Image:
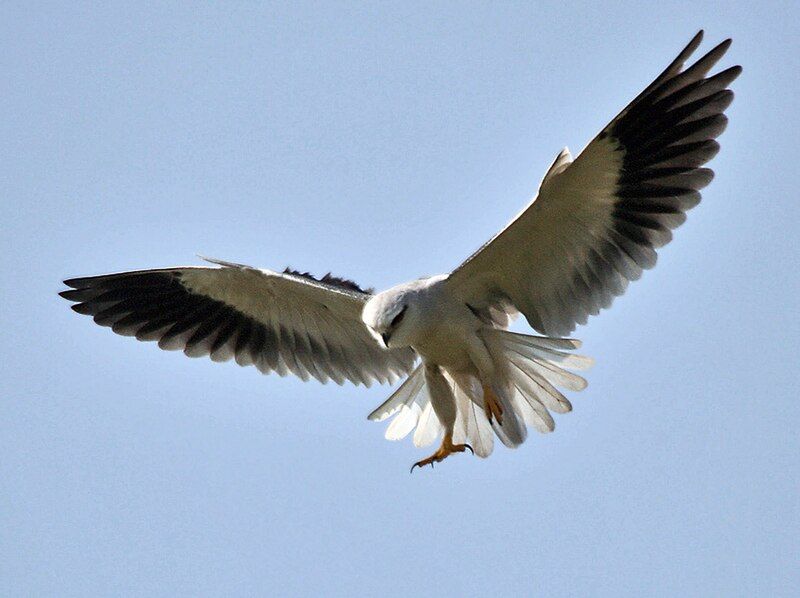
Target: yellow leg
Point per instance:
(447, 449)
(492, 406)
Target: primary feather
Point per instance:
(278, 322)
(598, 220)
(595, 225)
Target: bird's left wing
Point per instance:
(598, 220)
(278, 321)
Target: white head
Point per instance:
(390, 315)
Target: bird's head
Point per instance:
(387, 316)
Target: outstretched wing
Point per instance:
(279, 322)
(598, 220)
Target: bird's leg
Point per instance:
(491, 405)
(445, 450)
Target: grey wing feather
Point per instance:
(598, 220)
(278, 322)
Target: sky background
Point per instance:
(383, 142)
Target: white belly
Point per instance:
(448, 336)
(446, 347)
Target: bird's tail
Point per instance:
(530, 370)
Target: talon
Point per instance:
(445, 450)
(423, 463)
(492, 405)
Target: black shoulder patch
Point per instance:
(330, 279)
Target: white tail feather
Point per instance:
(534, 387)
(472, 419)
(403, 423)
(471, 424)
(534, 413)
(530, 345)
(533, 367)
(550, 371)
(428, 427)
(404, 395)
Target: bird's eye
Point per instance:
(399, 317)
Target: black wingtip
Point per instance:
(694, 42)
(75, 283)
(82, 308)
(69, 295)
(723, 46)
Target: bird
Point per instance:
(594, 225)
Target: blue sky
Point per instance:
(383, 143)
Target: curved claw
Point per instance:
(447, 449)
(420, 464)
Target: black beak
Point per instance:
(386, 336)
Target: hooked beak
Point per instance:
(386, 336)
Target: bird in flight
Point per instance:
(594, 226)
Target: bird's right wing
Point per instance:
(278, 321)
(598, 220)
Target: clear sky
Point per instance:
(383, 143)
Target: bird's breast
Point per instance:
(446, 343)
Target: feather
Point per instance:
(281, 322)
(403, 396)
(618, 201)
(428, 427)
(404, 421)
(478, 430)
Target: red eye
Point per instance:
(398, 318)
